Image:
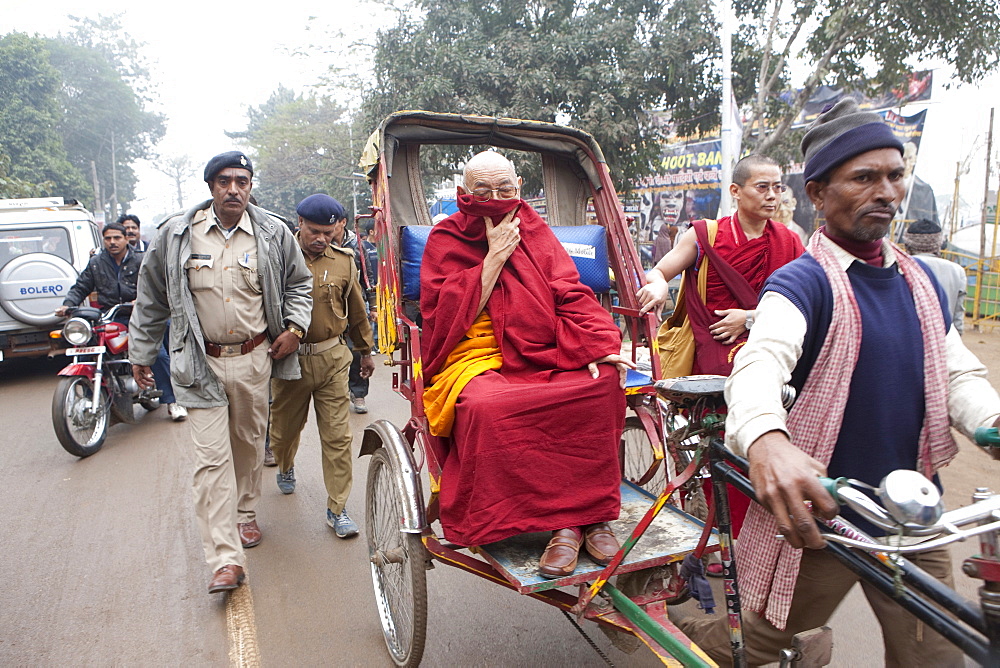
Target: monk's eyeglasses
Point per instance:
(762, 188)
(486, 194)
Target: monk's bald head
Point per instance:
(489, 169)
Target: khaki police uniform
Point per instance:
(338, 310)
(222, 275)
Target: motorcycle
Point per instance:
(81, 414)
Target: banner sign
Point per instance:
(685, 189)
(916, 88)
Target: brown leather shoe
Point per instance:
(226, 578)
(249, 533)
(561, 554)
(600, 542)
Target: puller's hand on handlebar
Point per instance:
(784, 478)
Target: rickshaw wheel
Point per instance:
(398, 562)
(636, 455)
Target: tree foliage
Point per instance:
(302, 144)
(65, 102)
(29, 116)
(106, 90)
(597, 65)
(852, 43)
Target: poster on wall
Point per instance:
(685, 189)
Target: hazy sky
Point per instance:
(212, 61)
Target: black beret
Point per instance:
(321, 209)
(227, 159)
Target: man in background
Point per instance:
(112, 274)
(132, 224)
(338, 314)
(366, 262)
(923, 241)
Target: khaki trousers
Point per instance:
(823, 583)
(324, 379)
(229, 454)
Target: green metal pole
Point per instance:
(650, 627)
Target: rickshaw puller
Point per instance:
(862, 330)
(525, 413)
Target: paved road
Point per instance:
(103, 565)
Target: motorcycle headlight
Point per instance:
(77, 331)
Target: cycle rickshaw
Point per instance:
(662, 457)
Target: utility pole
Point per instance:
(354, 183)
(726, 175)
(953, 213)
(114, 180)
(982, 228)
(98, 202)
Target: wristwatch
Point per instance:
(295, 330)
(749, 322)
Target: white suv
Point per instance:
(45, 243)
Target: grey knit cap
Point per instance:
(842, 133)
(923, 236)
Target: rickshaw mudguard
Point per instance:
(383, 433)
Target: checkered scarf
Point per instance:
(768, 568)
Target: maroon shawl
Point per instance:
(753, 259)
(535, 445)
(544, 318)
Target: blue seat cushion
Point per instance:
(635, 378)
(586, 244)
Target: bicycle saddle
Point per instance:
(689, 388)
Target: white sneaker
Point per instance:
(177, 412)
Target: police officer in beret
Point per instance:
(232, 281)
(338, 311)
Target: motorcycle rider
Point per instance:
(112, 274)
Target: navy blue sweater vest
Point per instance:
(885, 409)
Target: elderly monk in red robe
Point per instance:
(525, 402)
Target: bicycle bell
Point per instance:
(910, 498)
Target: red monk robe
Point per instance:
(755, 259)
(534, 446)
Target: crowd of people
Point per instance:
(867, 334)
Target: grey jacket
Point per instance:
(163, 293)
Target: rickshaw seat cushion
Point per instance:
(586, 244)
(635, 378)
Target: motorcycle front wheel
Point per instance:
(80, 432)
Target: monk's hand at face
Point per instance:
(622, 363)
(504, 236)
(784, 478)
(733, 323)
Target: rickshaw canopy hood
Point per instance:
(576, 147)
